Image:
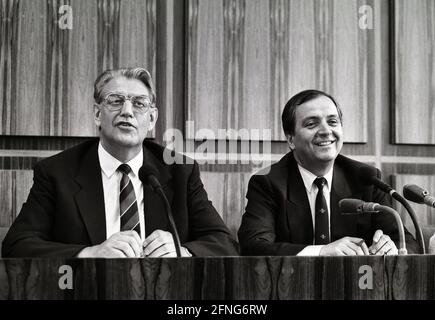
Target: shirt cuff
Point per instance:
(432, 245)
(310, 251)
(184, 252)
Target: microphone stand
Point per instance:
(418, 232)
(356, 206)
(146, 175)
(174, 232)
(402, 244)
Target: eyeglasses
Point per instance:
(115, 102)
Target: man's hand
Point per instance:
(120, 245)
(382, 244)
(347, 246)
(161, 244)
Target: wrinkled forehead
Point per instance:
(126, 86)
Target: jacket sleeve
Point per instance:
(207, 234)
(31, 233)
(387, 223)
(257, 232)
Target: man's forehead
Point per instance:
(122, 84)
(318, 107)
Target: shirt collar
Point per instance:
(109, 164)
(308, 178)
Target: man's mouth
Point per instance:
(124, 124)
(324, 143)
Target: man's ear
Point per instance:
(290, 141)
(97, 115)
(154, 115)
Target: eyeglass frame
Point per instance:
(126, 98)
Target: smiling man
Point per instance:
(88, 201)
(293, 209)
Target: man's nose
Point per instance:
(324, 128)
(127, 108)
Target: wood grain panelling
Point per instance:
(219, 278)
(14, 189)
(414, 71)
(137, 33)
(108, 35)
(39, 279)
(39, 143)
(247, 58)
(227, 191)
(8, 58)
(412, 277)
(170, 65)
(82, 69)
(29, 112)
(425, 215)
(47, 72)
(56, 120)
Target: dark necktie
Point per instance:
(127, 202)
(321, 228)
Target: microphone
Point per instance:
(417, 194)
(356, 206)
(147, 174)
(368, 176)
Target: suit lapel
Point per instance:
(90, 197)
(298, 207)
(154, 209)
(341, 225)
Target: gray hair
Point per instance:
(137, 73)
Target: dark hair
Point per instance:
(289, 113)
(137, 73)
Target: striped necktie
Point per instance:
(321, 228)
(127, 202)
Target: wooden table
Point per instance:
(234, 278)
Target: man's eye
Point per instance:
(139, 104)
(333, 122)
(116, 101)
(310, 124)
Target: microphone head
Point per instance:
(357, 206)
(367, 175)
(351, 206)
(145, 171)
(414, 193)
(147, 174)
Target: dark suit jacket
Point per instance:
(65, 213)
(278, 218)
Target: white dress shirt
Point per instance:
(111, 179)
(312, 190)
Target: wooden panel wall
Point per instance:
(14, 188)
(48, 72)
(227, 191)
(414, 71)
(247, 58)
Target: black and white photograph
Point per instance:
(217, 157)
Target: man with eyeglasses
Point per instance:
(88, 201)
